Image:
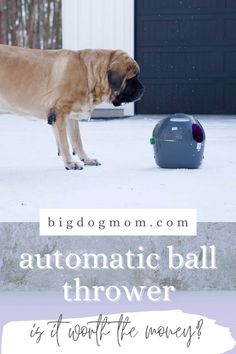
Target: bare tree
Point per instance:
(31, 23)
(3, 24)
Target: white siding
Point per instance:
(99, 24)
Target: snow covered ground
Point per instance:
(33, 177)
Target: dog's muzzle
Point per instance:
(129, 95)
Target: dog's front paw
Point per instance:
(91, 162)
(74, 166)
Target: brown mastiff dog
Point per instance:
(61, 84)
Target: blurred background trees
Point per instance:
(31, 23)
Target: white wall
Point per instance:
(99, 24)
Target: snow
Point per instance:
(33, 177)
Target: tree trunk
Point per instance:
(58, 40)
(47, 24)
(3, 23)
(32, 31)
(14, 13)
(31, 23)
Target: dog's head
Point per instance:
(123, 79)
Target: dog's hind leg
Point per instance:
(61, 136)
(76, 142)
(55, 131)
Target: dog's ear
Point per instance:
(115, 80)
(115, 76)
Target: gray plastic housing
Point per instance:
(178, 142)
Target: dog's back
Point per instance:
(25, 78)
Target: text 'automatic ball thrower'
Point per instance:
(178, 142)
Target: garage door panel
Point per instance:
(231, 4)
(167, 31)
(150, 6)
(187, 53)
(230, 97)
(194, 98)
(230, 63)
(187, 64)
(230, 29)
